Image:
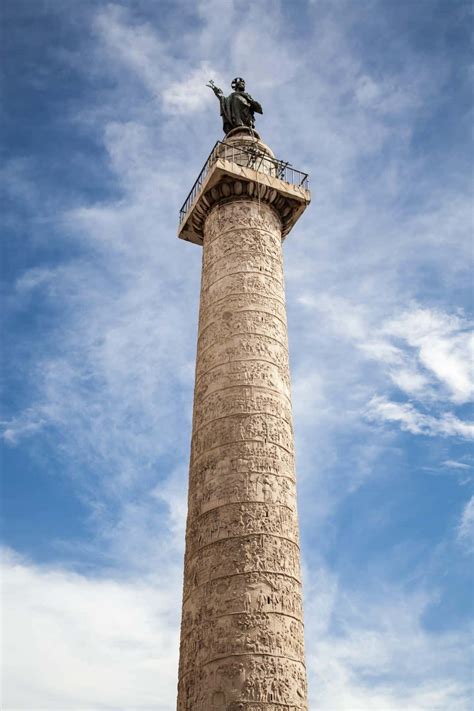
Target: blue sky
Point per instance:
(106, 123)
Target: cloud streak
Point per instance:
(411, 420)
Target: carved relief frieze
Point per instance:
(259, 373)
(241, 239)
(253, 283)
(242, 263)
(243, 350)
(238, 519)
(242, 302)
(240, 459)
(243, 401)
(258, 592)
(240, 213)
(242, 322)
(242, 636)
(261, 552)
(235, 428)
(230, 480)
(262, 683)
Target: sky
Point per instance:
(106, 123)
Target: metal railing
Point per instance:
(247, 157)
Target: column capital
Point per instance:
(242, 167)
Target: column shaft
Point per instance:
(242, 643)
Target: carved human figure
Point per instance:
(247, 600)
(260, 600)
(266, 489)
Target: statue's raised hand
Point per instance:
(215, 89)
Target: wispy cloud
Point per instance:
(385, 660)
(110, 643)
(457, 465)
(466, 525)
(411, 420)
(424, 354)
(444, 347)
(133, 45)
(190, 93)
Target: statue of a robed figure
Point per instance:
(238, 108)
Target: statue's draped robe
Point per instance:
(238, 109)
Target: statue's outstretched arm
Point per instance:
(218, 92)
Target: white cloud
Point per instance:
(191, 93)
(456, 465)
(82, 644)
(410, 381)
(122, 323)
(28, 423)
(410, 419)
(444, 345)
(133, 45)
(371, 651)
(425, 353)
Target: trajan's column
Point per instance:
(242, 644)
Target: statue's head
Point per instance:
(238, 84)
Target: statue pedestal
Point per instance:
(242, 644)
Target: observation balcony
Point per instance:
(243, 167)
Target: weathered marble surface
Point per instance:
(242, 646)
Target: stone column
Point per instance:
(242, 646)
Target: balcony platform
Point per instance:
(244, 169)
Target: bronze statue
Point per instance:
(238, 108)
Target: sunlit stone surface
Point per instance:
(242, 645)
